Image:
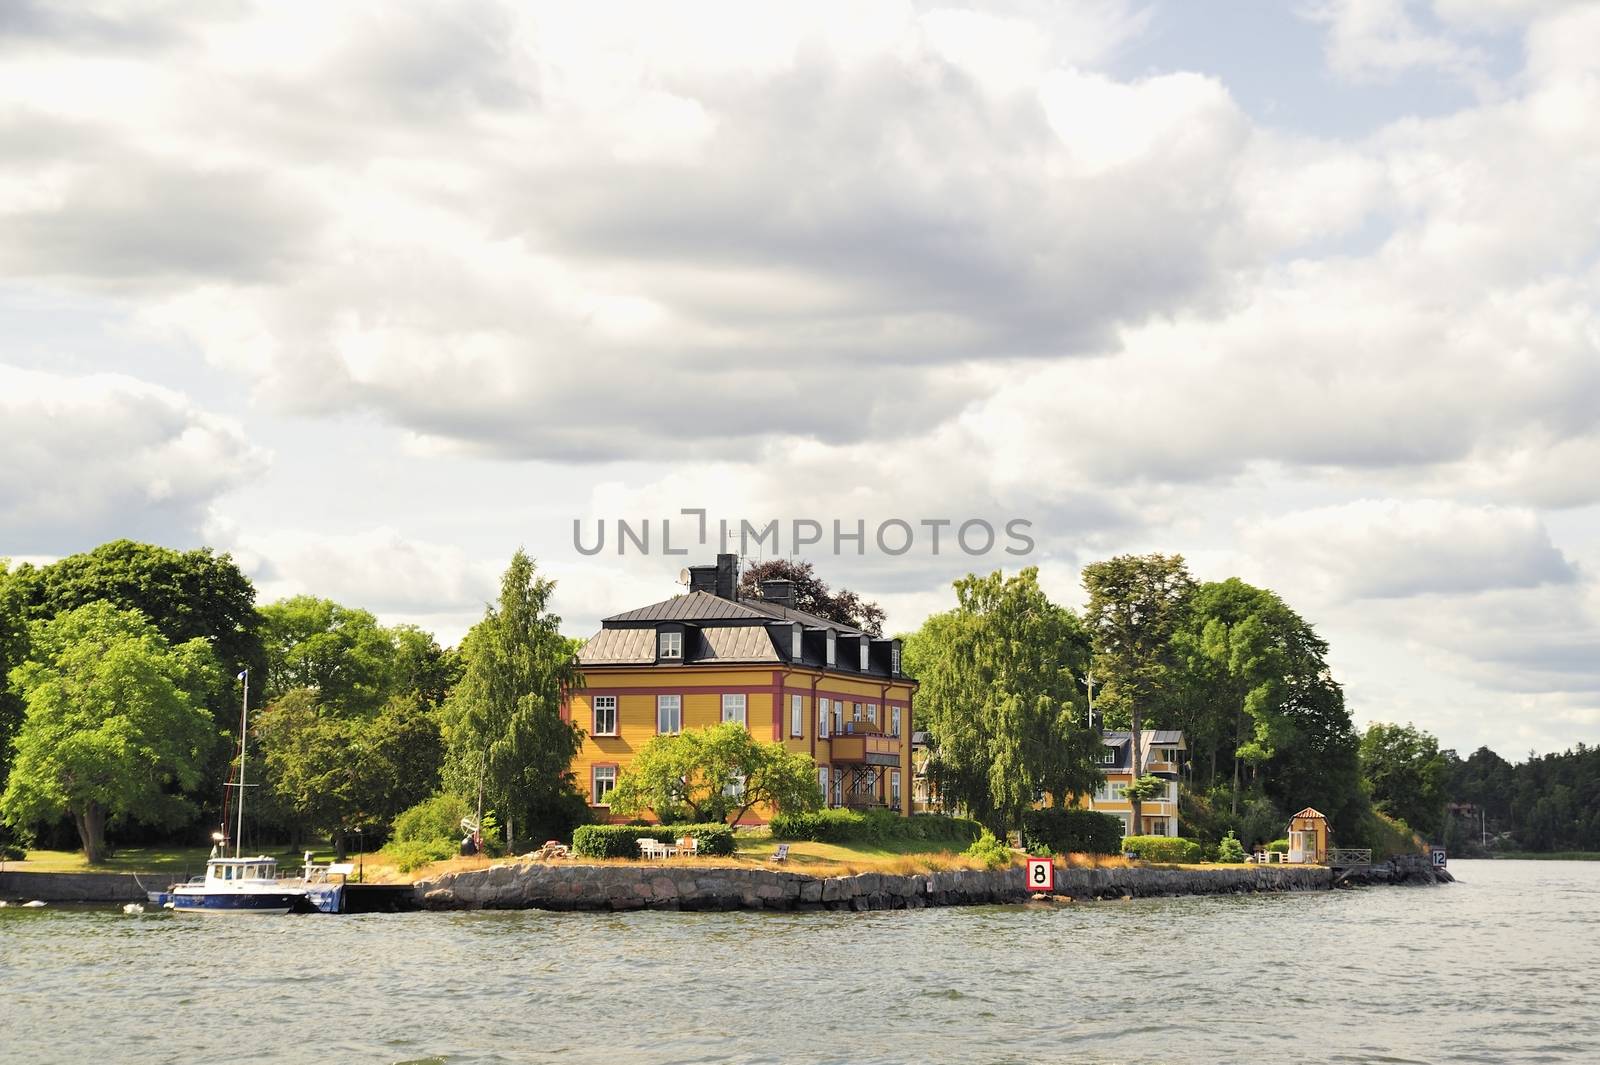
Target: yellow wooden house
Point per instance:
(710, 656)
(1159, 756)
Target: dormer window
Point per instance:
(1108, 756)
(670, 644)
(866, 652)
(795, 643)
(833, 647)
(894, 658)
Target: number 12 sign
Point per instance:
(1041, 874)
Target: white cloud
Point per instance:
(1374, 40)
(93, 457)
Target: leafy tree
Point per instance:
(13, 652)
(1144, 788)
(506, 739)
(812, 594)
(1406, 773)
(1136, 604)
(711, 773)
(1005, 722)
(341, 653)
(1230, 849)
(185, 594)
(422, 666)
(333, 774)
(115, 721)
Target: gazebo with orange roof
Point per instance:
(1308, 837)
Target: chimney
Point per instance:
(728, 577)
(703, 579)
(779, 592)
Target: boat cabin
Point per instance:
(233, 870)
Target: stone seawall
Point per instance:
(18, 886)
(667, 887)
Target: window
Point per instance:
(833, 647)
(822, 782)
(1108, 756)
(604, 780)
(822, 724)
(838, 716)
(669, 713)
(894, 659)
(894, 721)
(670, 642)
(894, 788)
(866, 651)
(605, 715)
(733, 709)
(872, 711)
(857, 711)
(796, 644)
(838, 787)
(1112, 791)
(797, 716)
(734, 788)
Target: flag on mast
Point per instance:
(243, 673)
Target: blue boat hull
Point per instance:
(262, 902)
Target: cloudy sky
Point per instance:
(370, 296)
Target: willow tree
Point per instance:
(999, 699)
(505, 736)
(1136, 604)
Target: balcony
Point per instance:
(871, 748)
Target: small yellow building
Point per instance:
(711, 656)
(1308, 837)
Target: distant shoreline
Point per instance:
(1543, 856)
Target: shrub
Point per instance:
(875, 826)
(1230, 849)
(409, 855)
(1068, 831)
(1278, 846)
(10, 852)
(990, 851)
(1162, 848)
(436, 817)
(622, 841)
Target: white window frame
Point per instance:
(669, 645)
(838, 716)
(599, 703)
(736, 709)
(823, 776)
(866, 654)
(833, 648)
(797, 717)
(675, 704)
(894, 721)
(823, 710)
(838, 787)
(734, 789)
(1108, 756)
(872, 712)
(599, 774)
(894, 659)
(894, 788)
(797, 643)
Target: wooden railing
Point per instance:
(1344, 856)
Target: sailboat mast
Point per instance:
(244, 716)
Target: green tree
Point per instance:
(1406, 774)
(1006, 724)
(341, 653)
(505, 738)
(115, 722)
(812, 594)
(713, 773)
(333, 774)
(13, 652)
(1136, 604)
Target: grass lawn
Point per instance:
(142, 860)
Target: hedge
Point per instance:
(874, 826)
(622, 841)
(1162, 848)
(1072, 831)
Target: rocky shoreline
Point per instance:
(567, 886)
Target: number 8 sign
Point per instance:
(1041, 875)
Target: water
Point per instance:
(1503, 967)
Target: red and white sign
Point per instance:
(1041, 875)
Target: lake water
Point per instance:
(1502, 967)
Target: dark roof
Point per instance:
(695, 606)
(1160, 736)
(723, 643)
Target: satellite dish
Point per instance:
(683, 577)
